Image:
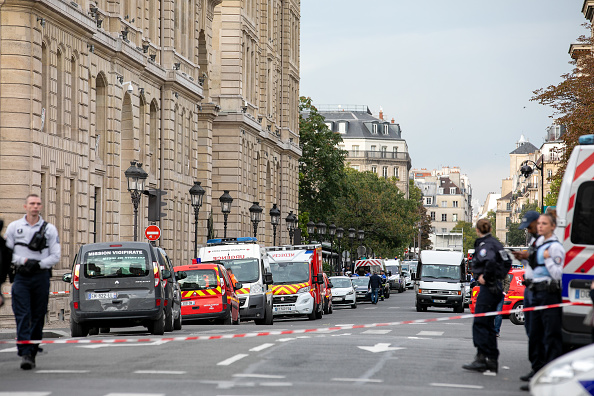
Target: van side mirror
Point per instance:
(166, 274)
(320, 279)
(180, 275)
(67, 277)
(237, 286)
(268, 278)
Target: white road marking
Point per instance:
(456, 386)
(135, 394)
(417, 323)
(61, 371)
(342, 325)
(25, 393)
(13, 349)
(232, 359)
(380, 347)
(490, 373)
(376, 331)
(371, 308)
(241, 375)
(276, 384)
(95, 346)
(286, 339)
(357, 380)
(430, 333)
(261, 347)
(343, 334)
(418, 338)
(505, 368)
(165, 372)
(393, 307)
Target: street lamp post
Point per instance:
(361, 236)
(311, 227)
(226, 201)
(255, 216)
(526, 170)
(197, 194)
(291, 221)
(136, 176)
(274, 220)
(352, 234)
(339, 234)
(332, 232)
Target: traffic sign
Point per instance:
(152, 232)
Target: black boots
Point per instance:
(482, 364)
(28, 362)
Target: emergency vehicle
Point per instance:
(298, 280)
(249, 263)
(575, 228)
(208, 293)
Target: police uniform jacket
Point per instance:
(527, 268)
(553, 265)
(485, 260)
(19, 234)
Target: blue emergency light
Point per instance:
(223, 241)
(586, 139)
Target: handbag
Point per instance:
(589, 319)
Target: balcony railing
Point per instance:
(390, 155)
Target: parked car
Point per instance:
(343, 291)
(327, 290)
(407, 279)
(514, 299)
(173, 319)
(116, 284)
(208, 293)
(570, 374)
(361, 284)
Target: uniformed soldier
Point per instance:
(489, 265)
(36, 249)
(547, 268)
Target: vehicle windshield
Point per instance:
(393, 269)
(440, 271)
(116, 263)
(341, 282)
(360, 281)
(289, 272)
(245, 270)
(405, 273)
(199, 280)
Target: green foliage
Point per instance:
(469, 234)
(553, 195)
(516, 237)
(321, 167)
(492, 217)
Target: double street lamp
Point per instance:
(361, 236)
(339, 234)
(332, 232)
(197, 194)
(226, 201)
(255, 216)
(352, 234)
(136, 176)
(526, 170)
(274, 220)
(291, 221)
(311, 228)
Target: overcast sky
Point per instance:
(456, 75)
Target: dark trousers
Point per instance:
(545, 329)
(374, 294)
(534, 344)
(29, 303)
(483, 328)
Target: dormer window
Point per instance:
(329, 125)
(374, 129)
(386, 129)
(342, 127)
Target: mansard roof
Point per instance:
(526, 148)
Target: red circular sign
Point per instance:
(152, 232)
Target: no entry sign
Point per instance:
(152, 232)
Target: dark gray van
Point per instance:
(173, 319)
(117, 284)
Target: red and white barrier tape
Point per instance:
(284, 332)
(51, 293)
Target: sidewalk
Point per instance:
(58, 329)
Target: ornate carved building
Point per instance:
(196, 90)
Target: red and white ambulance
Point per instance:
(298, 280)
(575, 228)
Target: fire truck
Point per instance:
(298, 280)
(575, 228)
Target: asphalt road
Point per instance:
(419, 359)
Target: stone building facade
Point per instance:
(197, 90)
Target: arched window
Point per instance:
(60, 93)
(74, 101)
(101, 117)
(154, 139)
(45, 78)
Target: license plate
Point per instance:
(582, 294)
(101, 296)
(439, 301)
(186, 303)
(284, 309)
(336, 298)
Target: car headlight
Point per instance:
(256, 288)
(424, 291)
(350, 292)
(565, 371)
(303, 290)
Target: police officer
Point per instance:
(547, 267)
(36, 249)
(530, 223)
(489, 265)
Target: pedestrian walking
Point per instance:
(375, 282)
(530, 224)
(547, 267)
(36, 249)
(490, 265)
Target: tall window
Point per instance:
(455, 217)
(429, 201)
(374, 128)
(74, 102)
(444, 204)
(432, 216)
(60, 94)
(385, 172)
(396, 172)
(452, 190)
(455, 204)
(444, 217)
(342, 127)
(386, 129)
(374, 169)
(101, 124)
(45, 78)
(373, 148)
(356, 150)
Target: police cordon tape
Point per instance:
(285, 332)
(51, 293)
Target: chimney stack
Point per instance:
(392, 120)
(381, 114)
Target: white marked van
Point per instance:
(575, 228)
(440, 280)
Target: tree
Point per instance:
(321, 167)
(515, 236)
(572, 101)
(469, 234)
(492, 217)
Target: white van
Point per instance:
(249, 263)
(440, 280)
(575, 228)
